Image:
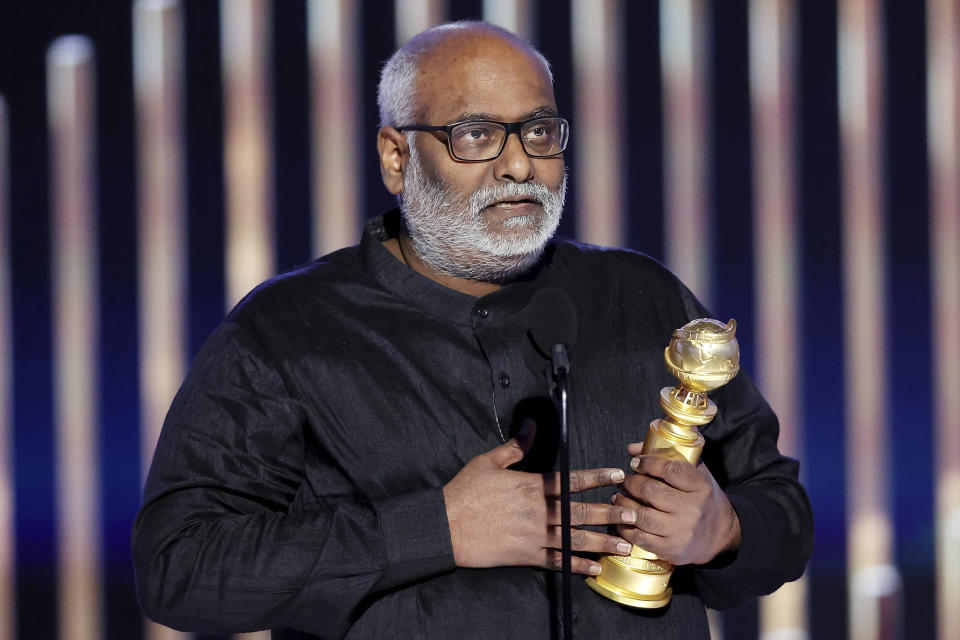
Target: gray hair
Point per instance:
(395, 93)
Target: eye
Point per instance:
(539, 131)
(475, 134)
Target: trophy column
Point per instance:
(704, 355)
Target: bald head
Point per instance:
(434, 58)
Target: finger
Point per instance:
(591, 513)
(553, 560)
(510, 452)
(655, 522)
(591, 541)
(652, 492)
(644, 539)
(635, 448)
(583, 479)
(648, 519)
(679, 474)
(625, 501)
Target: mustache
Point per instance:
(486, 196)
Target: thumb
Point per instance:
(513, 450)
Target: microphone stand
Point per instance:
(561, 366)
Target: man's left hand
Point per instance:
(682, 514)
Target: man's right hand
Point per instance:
(500, 517)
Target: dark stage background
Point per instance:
(27, 28)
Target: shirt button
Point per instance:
(482, 312)
(504, 380)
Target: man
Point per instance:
(360, 451)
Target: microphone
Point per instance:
(553, 330)
(552, 319)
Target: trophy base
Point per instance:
(635, 600)
(640, 580)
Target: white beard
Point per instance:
(450, 233)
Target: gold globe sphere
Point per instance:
(704, 354)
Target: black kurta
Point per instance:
(298, 480)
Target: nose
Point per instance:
(513, 164)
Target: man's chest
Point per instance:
(402, 403)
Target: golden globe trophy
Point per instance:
(704, 355)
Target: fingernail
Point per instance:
(594, 569)
(618, 475)
(635, 462)
(629, 516)
(623, 547)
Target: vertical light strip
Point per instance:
(245, 41)
(687, 228)
(597, 62)
(873, 580)
(512, 15)
(161, 223)
(8, 624)
(334, 55)
(413, 16)
(943, 138)
(683, 42)
(772, 53)
(70, 113)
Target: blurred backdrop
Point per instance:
(796, 163)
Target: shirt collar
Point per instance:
(433, 297)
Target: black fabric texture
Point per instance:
(297, 483)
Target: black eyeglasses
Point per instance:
(484, 140)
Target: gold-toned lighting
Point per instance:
(776, 267)
(943, 135)
(683, 55)
(70, 81)
(414, 16)
(873, 613)
(597, 61)
(8, 623)
(512, 15)
(247, 154)
(161, 221)
(334, 33)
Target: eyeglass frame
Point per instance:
(510, 127)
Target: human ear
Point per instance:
(394, 153)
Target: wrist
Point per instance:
(729, 538)
(454, 525)
(734, 532)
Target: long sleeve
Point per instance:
(776, 518)
(225, 542)
(298, 480)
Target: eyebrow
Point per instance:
(473, 116)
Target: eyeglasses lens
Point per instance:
(483, 140)
(476, 140)
(542, 137)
